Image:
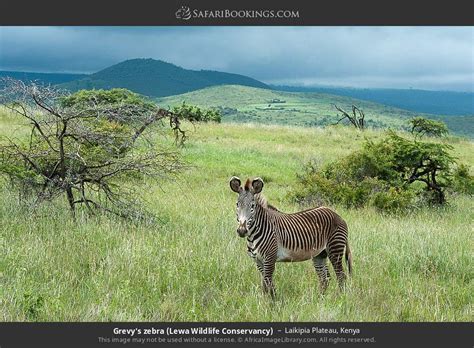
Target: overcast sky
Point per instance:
(394, 57)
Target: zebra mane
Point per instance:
(262, 201)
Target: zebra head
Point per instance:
(246, 202)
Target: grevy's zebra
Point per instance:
(274, 236)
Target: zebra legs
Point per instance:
(259, 264)
(320, 264)
(336, 255)
(266, 269)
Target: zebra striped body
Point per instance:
(274, 236)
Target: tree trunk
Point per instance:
(70, 199)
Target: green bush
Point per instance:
(393, 199)
(195, 114)
(336, 183)
(463, 181)
(392, 174)
(87, 98)
(117, 105)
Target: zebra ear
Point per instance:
(257, 185)
(235, 184)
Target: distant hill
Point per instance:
(241, 102)
(45, 78)
(431, 102)
(157, 78)
(247, 104)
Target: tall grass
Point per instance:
(191, 265)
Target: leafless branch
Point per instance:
(356, 119)
(81, 150)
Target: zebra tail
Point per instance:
(348, 258)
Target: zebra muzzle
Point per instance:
(242, 230)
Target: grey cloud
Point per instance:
(400, 57)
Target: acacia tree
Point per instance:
(421, 126)
(80, 146)
(428, 163)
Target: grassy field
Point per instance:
(191, 265)
(248, 104)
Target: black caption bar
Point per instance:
(210, 334)
(242, 12)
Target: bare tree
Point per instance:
(80, 148)
(356, 119)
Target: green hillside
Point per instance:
(247, 104)
(303, 105)
(431, 102)
(157, 78)
(190, 265)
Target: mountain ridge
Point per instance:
(157, 78)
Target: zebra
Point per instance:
(274, 236)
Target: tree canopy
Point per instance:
(421, 126)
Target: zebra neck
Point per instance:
(259, 227)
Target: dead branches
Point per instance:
(80, 148)
(356, 119)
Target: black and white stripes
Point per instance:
(274, 236)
